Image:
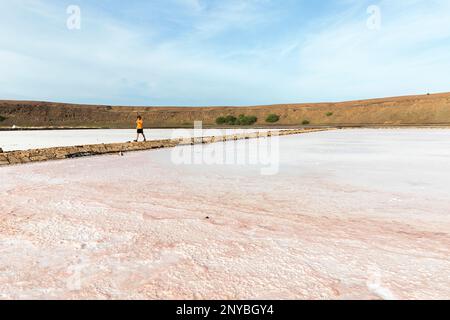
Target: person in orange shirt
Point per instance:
(140, 128)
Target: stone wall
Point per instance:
(59, 153)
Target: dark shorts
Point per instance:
(140, 131)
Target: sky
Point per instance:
(222, 52)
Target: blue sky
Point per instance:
(222, 52)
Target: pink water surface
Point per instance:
(350, 214)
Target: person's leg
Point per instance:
(145, 139)
(137, 137)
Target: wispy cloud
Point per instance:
(407, 55)
(194, 52)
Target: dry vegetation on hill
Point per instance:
(409, 110)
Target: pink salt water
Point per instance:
(350, 214)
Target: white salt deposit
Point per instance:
(351, 214)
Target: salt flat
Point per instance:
(349, 214)
(34, 139)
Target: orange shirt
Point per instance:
(140, 124)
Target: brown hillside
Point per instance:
(409, 110)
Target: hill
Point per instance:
(408, 110)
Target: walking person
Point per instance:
(140, 128)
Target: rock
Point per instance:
(1, 150)
(38, 158)
(3, 160)
(14, 160)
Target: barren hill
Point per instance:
(408, 110)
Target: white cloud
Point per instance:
(111, 62)
(408, 55)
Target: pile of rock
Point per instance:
(36, 155)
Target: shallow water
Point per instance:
(34, 139)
